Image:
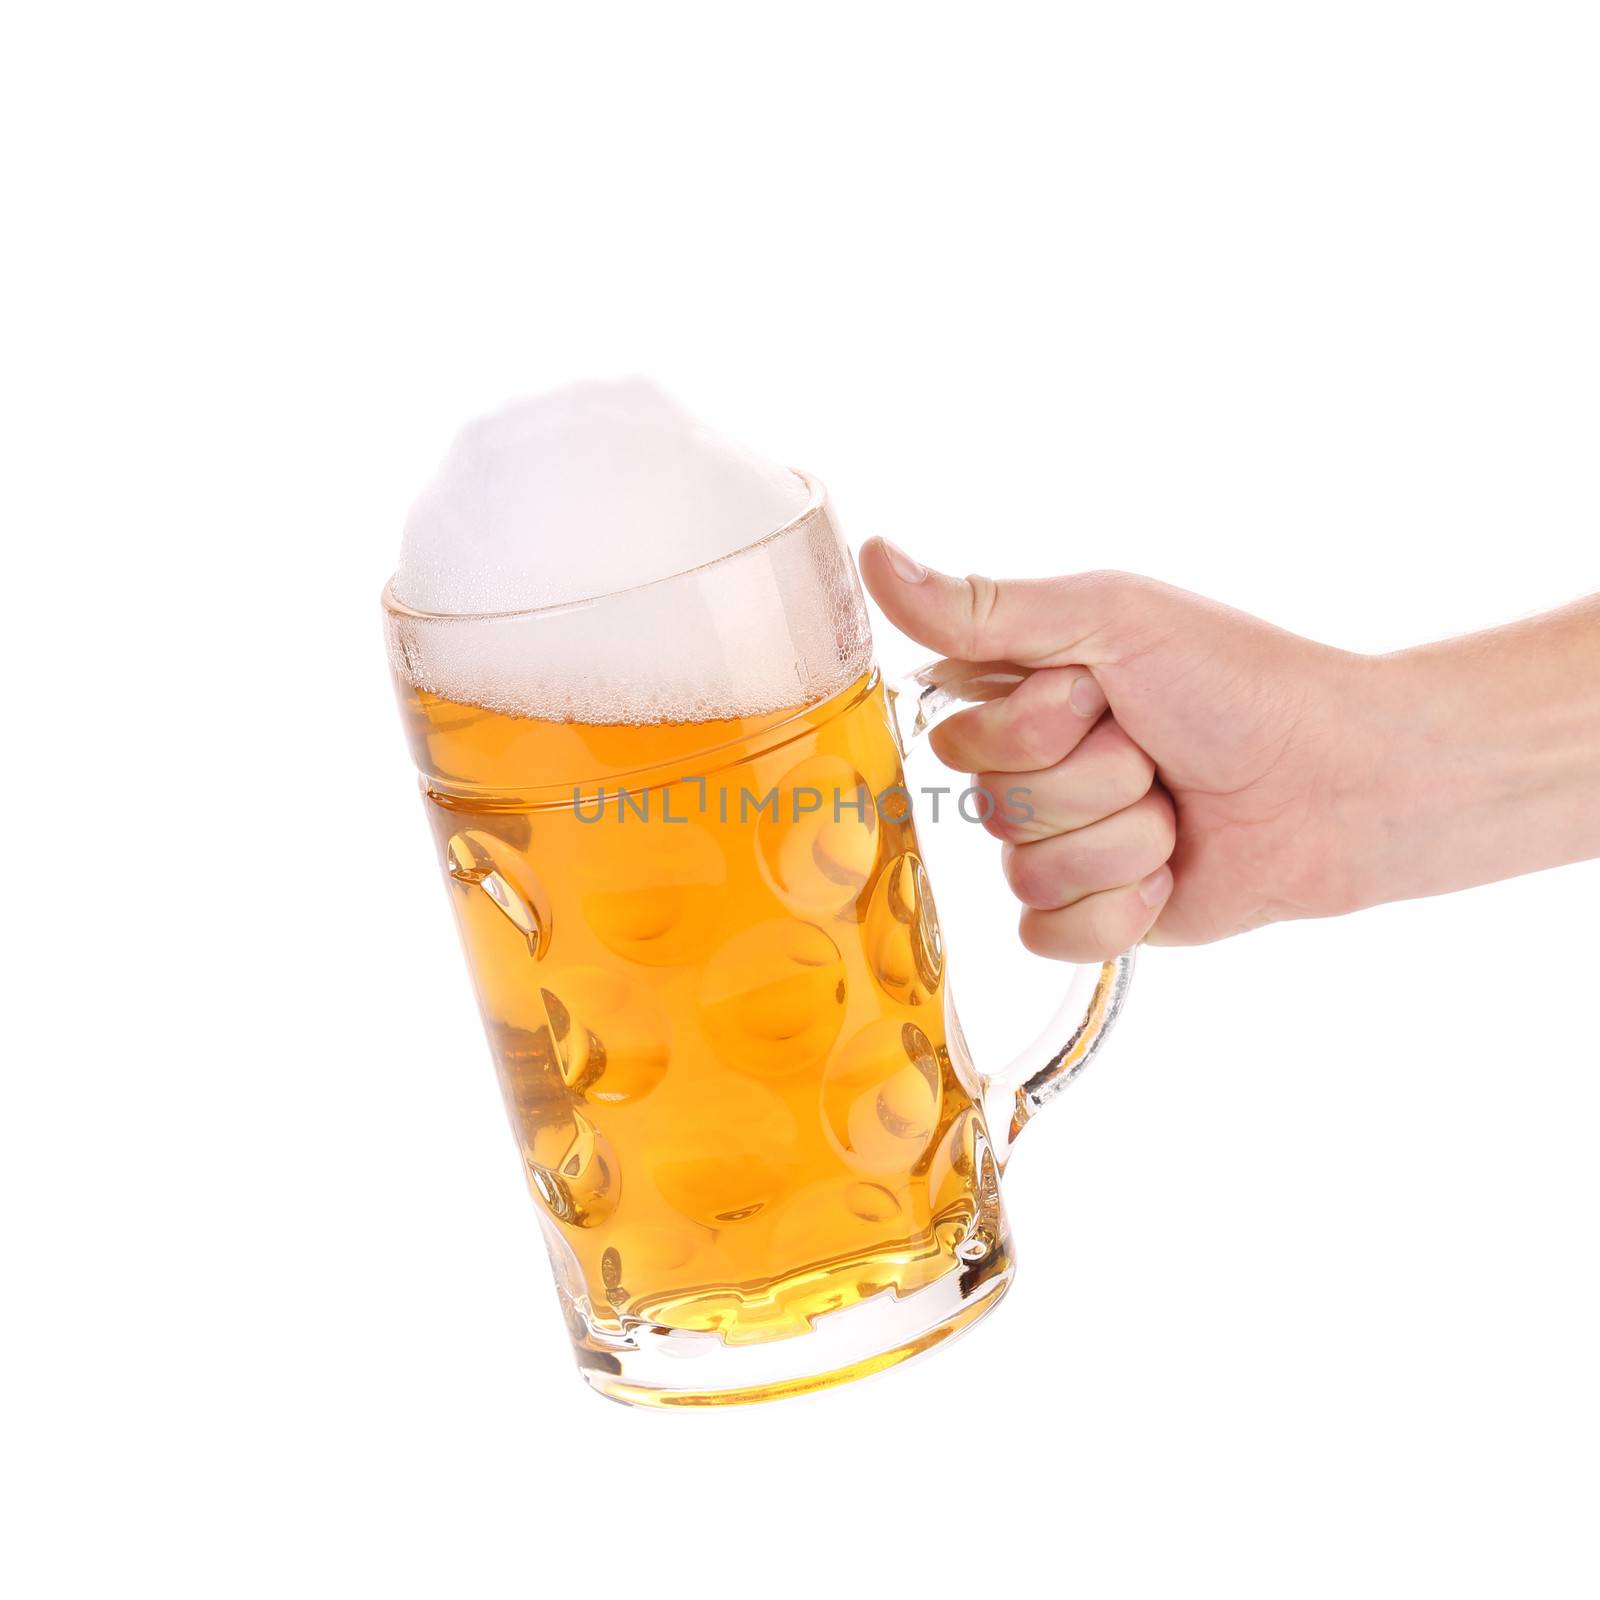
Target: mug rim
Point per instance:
(816, 497)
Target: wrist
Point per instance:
(1346, 859)
(1470, 760)
(1413, 743)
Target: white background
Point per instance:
(1294, 305)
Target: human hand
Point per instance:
(1186, 764)
(1195, 772)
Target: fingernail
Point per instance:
(1087, 697)
(1154, 889)
(905, 569)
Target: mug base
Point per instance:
(666, 1367)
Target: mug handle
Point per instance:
(1094, 998)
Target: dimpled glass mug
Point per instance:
(712, 975)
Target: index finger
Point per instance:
(1037, 725)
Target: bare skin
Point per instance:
(1196, 772)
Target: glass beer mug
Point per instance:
(711, 972)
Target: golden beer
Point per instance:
(713, 982)
(635, 668)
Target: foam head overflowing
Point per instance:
(579, 493)
(577, 500)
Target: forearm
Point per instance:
(1480, 758)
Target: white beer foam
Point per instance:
(594, 488)
(565, 506)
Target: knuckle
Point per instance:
(1034, 742)
(1111, 782)
(1046, 934)
(1015, 869)
(1034, 933)
(982, 595)
(993, 784)
(980, 798)
(1131, 773)
(1159, 825)
(1030, 878)
(950, 745)
(1059, 935)
(1014, 829)
(1167, 830)
(1018, 807)
(1103, 923)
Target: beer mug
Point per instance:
(712, 976)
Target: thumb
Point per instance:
(1034, 622)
